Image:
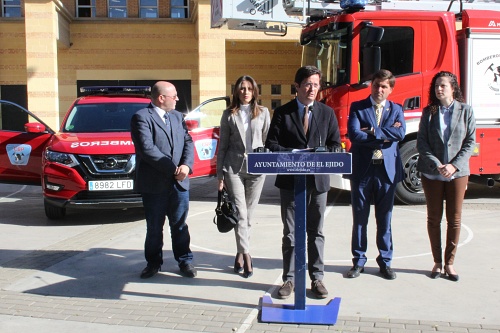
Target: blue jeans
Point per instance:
(173, 203)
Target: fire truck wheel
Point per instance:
(409, 191)
(54, 212)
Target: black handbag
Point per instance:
(226, 213)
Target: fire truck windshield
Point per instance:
(330, 52)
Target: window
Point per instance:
(330, 52)
(179, 9)
(275, 103)
(117, 8)
(12, 118)
(396, 48)
(11, 8)
(275, 89)
(85, 8)
(292, 90)
(148, 8)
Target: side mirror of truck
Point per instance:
(374, 34)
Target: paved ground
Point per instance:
(82, 274)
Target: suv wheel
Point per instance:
(53, 212)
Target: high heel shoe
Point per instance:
(247, 266)
(238, 263)
(436, 272)
(452, 277)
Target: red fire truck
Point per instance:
(90, 161)
(414, 40)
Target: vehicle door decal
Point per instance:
(206, 148)
(19, 154)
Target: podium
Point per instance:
(300, 164)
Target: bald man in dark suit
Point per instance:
(165, 157)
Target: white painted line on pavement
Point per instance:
(247, 323)
(20, 190)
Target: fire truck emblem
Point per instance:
(494, 71)
(493, 24)
(19, 154)
(206, 149)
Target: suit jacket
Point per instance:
(287, 133)
(232, 141)
(461, 143)
(156, 156)
(362, 115)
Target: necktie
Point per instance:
(305, 119)
(166, 118)
(377, 153)
(167, 123)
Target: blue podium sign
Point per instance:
(300, 164)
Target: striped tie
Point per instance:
(377, 153)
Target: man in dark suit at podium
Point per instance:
(375, 127)
(304, 124)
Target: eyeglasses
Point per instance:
(175, 98)
(311, 85)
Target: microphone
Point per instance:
(320, 148)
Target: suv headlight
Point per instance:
(61, 158)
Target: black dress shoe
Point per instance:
(188, 270)
(355, 271)
(387, 273)
(452, 277)
(247, 266)
(238, 263)
(436, 271)
(149, 271)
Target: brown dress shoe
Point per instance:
(319, 289)
(286, 290)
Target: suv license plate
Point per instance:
(111, 185)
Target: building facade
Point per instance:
(50, 48)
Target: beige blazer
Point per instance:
(232, 145)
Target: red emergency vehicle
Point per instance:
(414, 45)
(412, 39)
(90, 161)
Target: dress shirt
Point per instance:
(160, 112)
(246, 116)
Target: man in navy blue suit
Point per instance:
(375, 127)
(164, 159)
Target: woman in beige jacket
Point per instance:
(243, 128)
